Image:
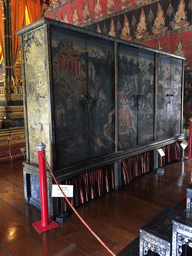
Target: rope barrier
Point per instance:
(82, 220)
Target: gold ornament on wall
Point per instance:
(160, 47)
(112, 29)
(86, 12)
(75, 16)
(45, 8)
(124, 3)
(98, 28)
(98, 11)
(141, 30)
(180, 17)
(110, 6)
(65, 19)
(125, 33)
(179, 50)
(159, 23)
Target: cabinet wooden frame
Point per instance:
(40, 63)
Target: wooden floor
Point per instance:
(115, 217)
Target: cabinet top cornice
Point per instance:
(89, 33)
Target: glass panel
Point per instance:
(127, 96)
(164, 107)
(175, 98)
(101, 96)
(146, 98)
(70, 83)
(168, 97)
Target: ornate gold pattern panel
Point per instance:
(12, 144)
(11, 136)
(89, 11)
(37, 93)
(2, 93)
(17, 73)
(2, 115)
(15, 112)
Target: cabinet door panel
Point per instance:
(146, 98)
(163, 105)
(127, 97)
(166, 98)
(70, 83)
(175, 97)
(101, 96)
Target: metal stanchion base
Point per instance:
(183, 159)
(159, 171)
(61, 217)
(51, 224)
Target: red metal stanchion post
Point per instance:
(45, 223)
(190, 138)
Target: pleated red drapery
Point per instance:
(143, 163)
(89, 185)
(95, 183)
(172, 152)
(92, 184)
(134, 166)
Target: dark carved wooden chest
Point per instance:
(94, 99)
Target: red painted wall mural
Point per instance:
(162, 24)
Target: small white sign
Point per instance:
(161, 152)
(67, 189)
(184, 144)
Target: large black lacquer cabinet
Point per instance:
(94, 99)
